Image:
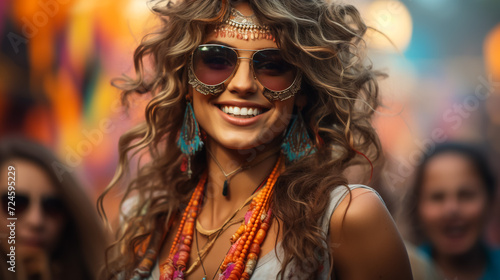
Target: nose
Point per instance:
(243, 82)
(34, 216)
(451, 206)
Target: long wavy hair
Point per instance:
(325, 41)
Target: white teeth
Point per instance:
(244, 111)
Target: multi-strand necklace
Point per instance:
(241, 259)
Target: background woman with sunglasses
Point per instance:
(57, 234)
(257, 109)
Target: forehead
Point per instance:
(450, 170)
(233, 41)
(256, 44)
(29, 178)
(449, 164)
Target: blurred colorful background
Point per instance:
(57, 59)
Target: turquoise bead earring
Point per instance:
(297, 142)
(189, 141)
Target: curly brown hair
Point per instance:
(325, 41)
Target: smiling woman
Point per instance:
(449, 208)
(275, 102)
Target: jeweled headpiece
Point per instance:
(242, 27)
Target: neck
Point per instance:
(256, 165)
(470, 263)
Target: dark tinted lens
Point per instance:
(272, 70)
(5, 201)
(18, 204)
(52, 206)
(212, 65)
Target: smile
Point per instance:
(455, 231)
(241, 112)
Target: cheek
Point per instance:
(201, 108)
(279, 123)
(429, 214)
(54, 230)
(283, 114)
(475, 211)
(4, 235)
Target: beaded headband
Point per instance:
(243, 27)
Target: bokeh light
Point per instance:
(394, 21)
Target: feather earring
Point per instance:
(297, 142)
(189, 137)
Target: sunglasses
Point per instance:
(51, 206)
(212, 65)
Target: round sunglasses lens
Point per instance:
(273, 71)
(212, 65)
(18, 202)
(5, 203)
(53, 206)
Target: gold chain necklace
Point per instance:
(218, 231)
(225, 188)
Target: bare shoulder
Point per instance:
(358, 210)
(365, 241)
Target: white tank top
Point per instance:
(269, 265)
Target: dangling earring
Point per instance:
(189, 137)
(297, 142)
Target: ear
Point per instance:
(300, 100)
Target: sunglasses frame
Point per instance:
(43, 202)
(220, 87)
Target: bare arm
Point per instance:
(365, 242)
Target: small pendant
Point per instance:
(225, 188)
(189, 171)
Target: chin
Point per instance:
(238, 144)
(31, 249)
(457, 247)
(240, 140)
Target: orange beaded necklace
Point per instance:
(240, 261)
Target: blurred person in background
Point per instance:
(449, 208)
(58, 235)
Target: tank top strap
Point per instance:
(336, 197)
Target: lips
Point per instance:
(31, 242)
(455, 231)
(241, 113)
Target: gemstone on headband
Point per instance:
(242, 27)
